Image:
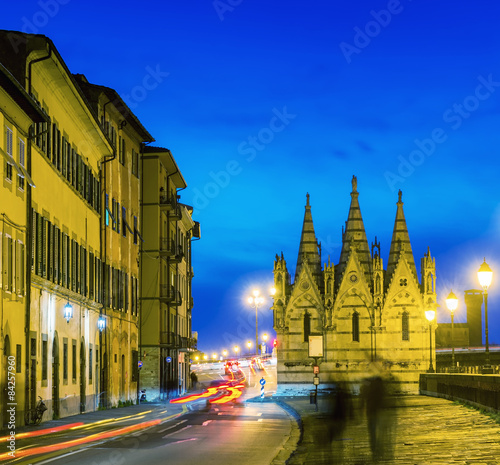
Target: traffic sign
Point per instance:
(262, 381)
(140, 363)
(168, 359)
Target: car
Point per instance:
(230, 366)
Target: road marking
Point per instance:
(69, 453)
(178, 431)
(205, 423)
(183, 440)
(173, 426)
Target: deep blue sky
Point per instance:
(349, 103)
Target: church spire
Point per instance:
(354, 237)
(400, 244)
(309, 248)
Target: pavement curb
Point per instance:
(296, 434)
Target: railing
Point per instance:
(169, 202)
(168, 293)
(479, 390)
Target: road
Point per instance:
(235, 432)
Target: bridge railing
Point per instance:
(478, 390)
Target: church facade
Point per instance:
(359, 311)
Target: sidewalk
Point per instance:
(425, 430)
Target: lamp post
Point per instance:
(249, 345)
(430, 314)
(224, 353)
(484, 275)
(255, 301)
(264, 349)
(236, 350)
(452, 304)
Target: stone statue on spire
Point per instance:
(354, 183)
(400, 195)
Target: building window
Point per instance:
(90, 365)
(65, 361)
(73, 360)
(135, 163)
(20, 269)
(18, 358)
(355, 327)
(307, 326)
(20, 179)
(44, 359)
(8, 149)
(136, 231)
(121, 154)
(403, 282)
(405, 326)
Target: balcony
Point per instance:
(170, 295)
(167, 202)
(175, 341)
(169, 250)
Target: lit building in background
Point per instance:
(358, 311)
(167, 339)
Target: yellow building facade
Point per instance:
(72, 226)
(18, 112)
(166, 278)
(356, 312)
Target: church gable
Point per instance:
(404, 289)
(305, 299)
(353, 278)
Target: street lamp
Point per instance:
(452, 304)
(249, 345)
(224, 353)
(484, 275)
(68, 312)
(255, 301)
(430, 314)
(264, 338)
(236, 349)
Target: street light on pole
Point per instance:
(484, 275)
(430, 314)
(452, 304)
(255, 302)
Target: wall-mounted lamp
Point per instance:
(68, 312)
(101, 323)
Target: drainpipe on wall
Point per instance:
(29, 251)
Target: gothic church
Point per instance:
(363, 312)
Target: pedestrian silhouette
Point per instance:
(380, 413)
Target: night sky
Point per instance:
(261, 102)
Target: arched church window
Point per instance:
(429, 282)
(355, 327)
(405, 326)
(307, 326)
